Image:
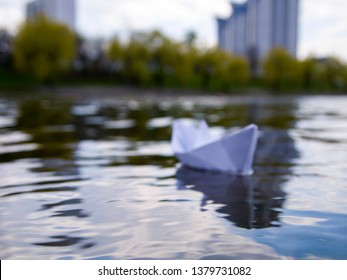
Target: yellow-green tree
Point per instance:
(222, 61)
(184, 58)
(115, 50)
(344, 77)
(309, 71)
(281, 70)
(135, 61)
(44, 48)
(221, 69)
(239, 72)
(231, 70)
(332, 73)
(162, 51)
(115, 55)
(206, 66)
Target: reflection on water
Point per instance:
(245, 206)
(234, 194)
(95, 178)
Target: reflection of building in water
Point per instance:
(58, 10)
(257, 26)
(244, 206)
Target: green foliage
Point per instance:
(281, 70)
(162, 51)
(309, 72)
(332, 73)
(34, 114)
(323, 74)
(154, 59)
(220, 70)
(44, 119)
(115, 50)
(240, 72)
(44, 48)
(11, 80)
(184, 60)
(135, 62)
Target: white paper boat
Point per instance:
(197, 148)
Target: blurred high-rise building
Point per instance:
(63, 11)
(257, 26)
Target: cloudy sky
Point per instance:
(323, 23)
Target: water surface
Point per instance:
(90, 177)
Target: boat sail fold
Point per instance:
(195, 147)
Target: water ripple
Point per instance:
(43, 190)
(96, 179)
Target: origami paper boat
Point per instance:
(197, 148)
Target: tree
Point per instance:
(44, 48)
(239, 72)
(135, 61)
(115, 51)
(221, 69)
(281, 70)
(222, 61)
(332, 73)
(162, 50)
(184, 58)
(206, 66)
(309, 71)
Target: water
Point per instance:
(93, 177)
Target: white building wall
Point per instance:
(59, 10)
(252, 17)
(48, 7)
(292, 22)
(265, 24)
(32, 9)
(264, 27)
(280, 19)
(242, 34)
(230, 32)
(285, 25)
(66, 12)
(221, 33)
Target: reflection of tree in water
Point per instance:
(253, 202)
(50, 126)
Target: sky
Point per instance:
(322, 31)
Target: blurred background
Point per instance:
(282, 45)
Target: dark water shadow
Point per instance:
(66, 241)
(242, 203)
(61, 203)
(45, 190)
(78, 213)
(61, 241)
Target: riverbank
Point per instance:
(124, 92)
